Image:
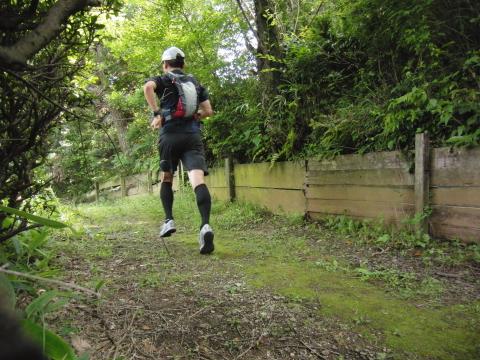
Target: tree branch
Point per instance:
(18, 230)
(52, 281)
(53, 22)
(11, 18)
(54, 103)
(247, 20)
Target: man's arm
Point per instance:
(149, 92)
(205, 109)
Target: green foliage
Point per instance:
(33, 218)
(54, 346)
(7, 292)
(405, 239)
(373, 73)
(237, 128)
(40, 96)
(354, 77)
(405, 283)
(47, 302)
(28, 252)
(129, 54)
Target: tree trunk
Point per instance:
(121, 126)
(269, 52)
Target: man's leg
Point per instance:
(204, 201)
(204, 204)
(166, 195)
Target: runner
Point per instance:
(183, 102)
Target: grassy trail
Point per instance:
(275, 288)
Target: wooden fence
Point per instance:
(455, 194)
(127, 186)
(361, 186)
(388, 185)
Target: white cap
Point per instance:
(171, 53)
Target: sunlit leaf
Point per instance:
(33, 218)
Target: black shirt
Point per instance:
(168, 94)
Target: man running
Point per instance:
(183, 102)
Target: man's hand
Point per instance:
(156, 122)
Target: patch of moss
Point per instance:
(225, 245)
(440, 333)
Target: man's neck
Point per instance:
(174, 69)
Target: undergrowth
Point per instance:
(35, 302)
(405, 239)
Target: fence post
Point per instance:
(230, 178)
(149, 182)
(97, 191)
(422, 177)
(123, 185)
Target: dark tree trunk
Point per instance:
(269, 52)
(121, 127)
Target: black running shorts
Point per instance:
(187, 147)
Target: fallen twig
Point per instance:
(311, 349)
(52, 281)
(380, 252)
(198, 312)
(308, 347)
(103, 322)
(252, 345)
(454, 276)
(166, 248)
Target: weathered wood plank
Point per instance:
(132, 190)
(459, 167)
(276, 200)
(216, 178)
(449, 232)
(111, 183)
(458, 196)
(112, 193)
(176, 182)
(283, 175)
(175, 185)
(220, 193)
(367, 193)
(377, 177)
(378, 160)
(369, 209)
(323, 216)
(466, 217)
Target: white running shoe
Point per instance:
(205, 239)
(168, 228)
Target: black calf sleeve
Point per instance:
(166, 195)
(204, 202)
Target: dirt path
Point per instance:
(271, 290)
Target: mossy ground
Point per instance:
(259, 258)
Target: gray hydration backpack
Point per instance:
(187, 104)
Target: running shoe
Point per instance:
(205, 239)
(168, 228)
